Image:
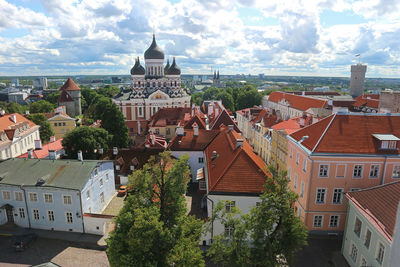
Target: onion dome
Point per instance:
(154, 51)
(166, 67)
(137, 69)
(174, 69)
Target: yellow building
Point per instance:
(61, 123)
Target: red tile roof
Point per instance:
(369, 96)
(234, 170)
(195, 119)
(298, 101)
(189, 142)
(6, 122)
(267, 118)
(290, 126)
(65, 97)
(364, 101)
(70, 85)
(379, 204)
(349, 133)
(168, 116)
(223, 119)
(44, 152)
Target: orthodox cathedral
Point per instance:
(153, 87)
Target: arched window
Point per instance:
(138, 83)
(159, 84)
(159, 70)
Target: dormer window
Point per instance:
(387, 141)
(117, 167)
(389, 145)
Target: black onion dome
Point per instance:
(174, 69)
(166, 67)
(137, 69)
(154, 51)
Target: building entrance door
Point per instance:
(10, 215)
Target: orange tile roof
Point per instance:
(267, 118)
(6, 122)
(349, 133)
(189, 142)
(168, 116)
(369, 96)
(379, 205)
(223, 119)
(65, 97)
(195, 119)
(367, 102)
(298, 101)
(290, 125)
(44, 152)
(70, 85)
(235, 170)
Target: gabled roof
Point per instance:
(289, 126)
(195, 119)
(6, 122)
(366, 101)
(51, 116)
(189, 142)
(168, 116)
(369, 96)
(223, 119)
(298, 101)
(234, 170)
(266, 118)
(379, 205)
(65, 97)
(44, 152)
(70, 85)
(349, 133)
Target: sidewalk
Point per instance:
(84, 240)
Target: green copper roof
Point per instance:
(71, 174)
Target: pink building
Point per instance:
(341, 153)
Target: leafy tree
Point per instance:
(86, 139)
(248, 97)
(152, 228)
(227, 100)
(41, 106)
(15, 108)
(197, 98)
(45, 130)
(275, 232)
(53, 98)
(113, 121)
(211, 93)
(108, 91)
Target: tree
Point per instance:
(86, 139)
(152, 229)
(41, 106)
(108, 91)
(227, 100)
(248, 97)
(53, 98)
(15, 108)
(211, 93)
(113, 121)
(275, 232)
(45, 130)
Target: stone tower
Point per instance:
(70, 98)
(357, 79)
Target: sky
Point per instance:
(273, 37)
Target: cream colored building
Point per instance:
(61, 123)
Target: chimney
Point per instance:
(216, 112)
(52, 139)
(239, 142)
(80, 157)
(101, 151)
(13, 117)
(27, 112)
(52, 154)
(195, 129)
(30, 153)
(38, 144)
(207, 124)
(115, 151)
(210, 109)
(179, 130)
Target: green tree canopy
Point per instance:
(13, 107)
(45, 130)
(248, 97)
(108, 91)
(53, 98)
(152, 228)
(41, 106)
(227, 100)
(275, 232)
(211, 93)
(86, 139)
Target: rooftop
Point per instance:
(168, 116)
(70, 85)
(44, 152)
(189, 142)
(299, 102)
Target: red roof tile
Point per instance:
(44, 152)
(189, 142)
(349, 133)
(298, 101)
(168, 116)
(234, 170)
(379, 204)
(268, 119)
(195, 119)
(65, 97)
(369, 96)
(366, 102)
(223, 119)
(70, 85)
(6, 122)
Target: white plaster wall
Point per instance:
(395, 256)
(96, 226)
(193, 161)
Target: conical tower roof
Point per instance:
(167, 67)
(70, 85)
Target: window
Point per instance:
(67, 200)
(305, 165)
(295, 180)
(229, 230)
(88, 194)
(102, 197)
(48, 198)
(229, 205)
(106, 177)
(302, 189)
(50, 215)
(321, 193)
(21, 213)
(68, 216)
(18, 196)
(36, 214)
(59, 124)
(334, 221)
(374, 171)
(168, 131)
(357, 227)
(396, 171)
(6, 195)
(297, 158)
(63, 123)
(367, 240)
(353, 252)
(289, 174)
(323, 170)
(101, 182)
(337, 196)
(363, 262)
(55, 124)
(201, 159)
(157, 131)
(380, 254)
(33, 197)
(357, 172)
(140, 111)
(318, 219)
(202, 185)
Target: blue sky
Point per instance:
(291, 37)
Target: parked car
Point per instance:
(23, 241)
(122, 190)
